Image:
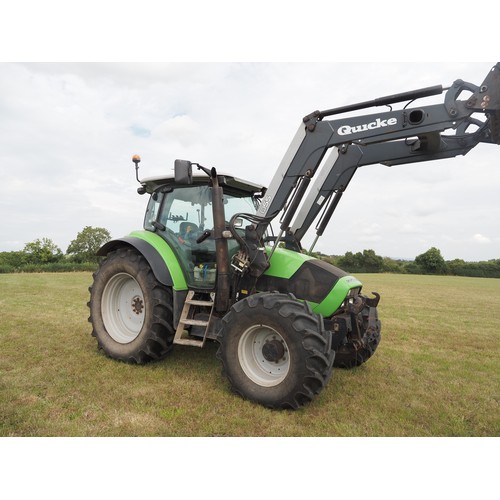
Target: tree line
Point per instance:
(429, 262)
(44, 255)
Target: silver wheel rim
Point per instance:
(255, 360)
(123, 308)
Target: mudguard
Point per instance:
(157, 252)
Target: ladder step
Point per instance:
(194, 322)
(196, 343)
(207, 303)
(184, 320)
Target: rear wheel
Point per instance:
(351, 355)
(275, 351)
(130, 311)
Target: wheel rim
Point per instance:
(123, 308)
(264, 355)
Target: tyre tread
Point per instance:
(159, 339)
(314, 339)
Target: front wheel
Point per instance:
(130, 311)
(275, 351)
(357, 349)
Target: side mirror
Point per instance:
(183, 172)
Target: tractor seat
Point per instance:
(187, 227)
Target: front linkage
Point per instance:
(356, 331)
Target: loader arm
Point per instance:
(332, 181)
(391, 138)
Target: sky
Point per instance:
(68, 131)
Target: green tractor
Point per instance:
(209, 266)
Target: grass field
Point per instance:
(435, 373)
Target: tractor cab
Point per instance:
(181, 212)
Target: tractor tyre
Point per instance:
(275, 350)
(353, 354)
(130, 311)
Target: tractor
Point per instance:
(209, 265)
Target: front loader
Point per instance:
(208, 265)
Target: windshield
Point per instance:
(186, 212)
(194, 205)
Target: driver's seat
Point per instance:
(185, 228)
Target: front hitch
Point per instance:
(355, 331)
(374, 301)
(364, 320)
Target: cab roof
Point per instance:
(152, 184)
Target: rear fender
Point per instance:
(161, 260)
(156, 251)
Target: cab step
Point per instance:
(181, 333)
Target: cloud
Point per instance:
(181, 128)
(481, 239)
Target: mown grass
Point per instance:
(436, 372)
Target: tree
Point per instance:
(42, 251)
(10, 261)
(87, 242)
(432, 261)
(349, 262)
(366, 262)
(392, 266)
(372, 262)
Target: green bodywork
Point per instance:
(336, 296)
(166, 253)
(285, 263)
